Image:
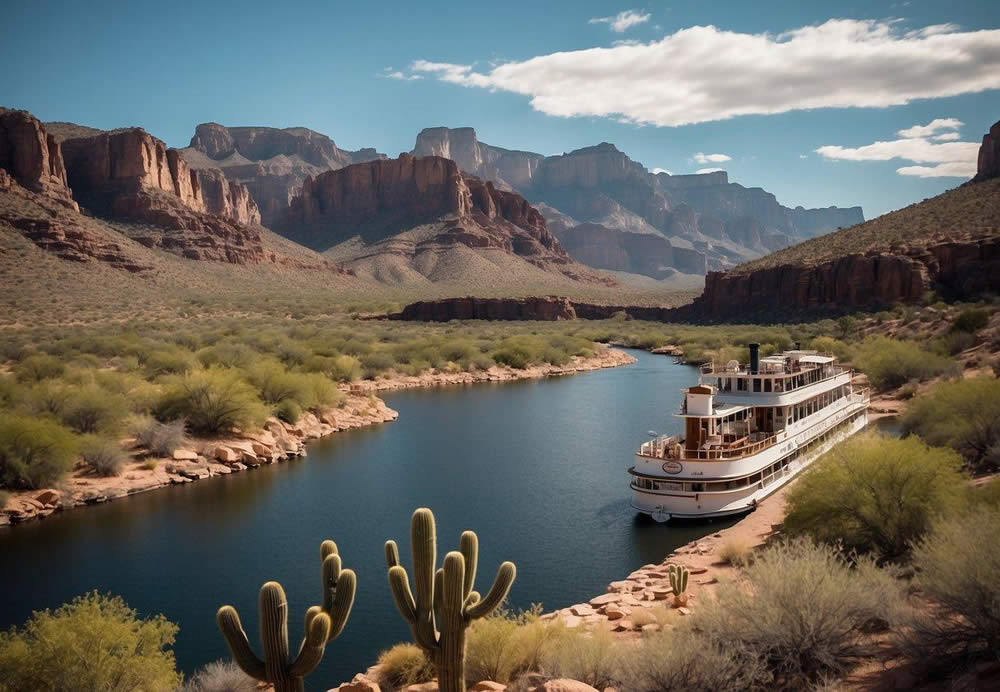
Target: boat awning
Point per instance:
(817, 360)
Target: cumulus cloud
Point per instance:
(623, 20)
(709, 170)
(661, 170)
(704, 73)
(710, 158)
(918, 144)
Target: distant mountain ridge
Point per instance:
(599, 185)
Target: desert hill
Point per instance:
(949, 243)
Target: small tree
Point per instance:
(211, 401)
(96, 642)
(875, 495)
(34, 452)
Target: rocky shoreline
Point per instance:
(277, 442)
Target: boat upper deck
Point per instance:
(776, 374)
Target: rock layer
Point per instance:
(989, 155)
(33, 157)
(548, 309)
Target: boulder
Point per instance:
(488, 686)
(360, 683)
(185, 455)
(226, 455)
(563, 685)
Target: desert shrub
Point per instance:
(169, 362)
(954, 343)
(517, 357)
(963, 415)
(89, 409)
(736, 550)
(594, 659)
(803, 612)
(47, 397)
(39, 367)
(139, 395)
(103, 454)
(890, 363)
(985, 495)
(971, 320)
(4, 498)
(683, 659)
(161, 439)
(220, 676)
(228, 354)
(505, 645)
(34, 452)
(288, 410)
(211, 401)
(373, 364)
(95, 642)
(404, 664)
(874, 494)
(11, 392)
(958, 568)
(827, 344)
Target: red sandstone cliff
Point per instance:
(33, 157)
(989, 155)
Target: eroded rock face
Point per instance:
(33, 157)
(503, 167)
(547, 309)
(961, 269)
(272, 163)
(989, 155)
(226, 198)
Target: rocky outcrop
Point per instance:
(272, 163)
(132, 176)
(956, 269)
(989, 155)
(501, 166)
(228, 199)
(547, 309)
(33, 157)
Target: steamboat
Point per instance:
(748, 430)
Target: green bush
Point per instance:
(890, 363)
(34, 452)
(402, 665)
(505, 645)
(963, 415)
(971, 320)
(517, 357)
(803, 612)
(95, 642)
(161, 439)
(102, 454)
(958, 568)
(39, 367)
(595, 660)
(90, 409)
(374, 364)
(288, 411)
(954, 343)
(216, 400)
(169, 362)
(874, 494)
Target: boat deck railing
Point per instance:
(669, 447)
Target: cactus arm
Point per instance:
(330, 574)
(468, 545)
(497, 593)
(311, 651)
(452, 586)
(472, 599)
(239, 645)
(391, 554)
(399, 584)
(274, 630)
(343, 601)
(424, 546)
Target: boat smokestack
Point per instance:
(754, 358)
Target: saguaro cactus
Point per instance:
(324, 623)
(679, 583)
(445, 603)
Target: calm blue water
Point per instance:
(536, 468)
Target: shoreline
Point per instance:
(276, 442)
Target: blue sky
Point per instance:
(332, 66)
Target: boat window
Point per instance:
(756, 384)
(767, 384)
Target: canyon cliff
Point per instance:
(706, 221)
(33, 157)
(423, 211)
(989, 155)
(272, 163)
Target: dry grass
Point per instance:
(736, 550)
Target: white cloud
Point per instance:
(623, 20)
(704, 73)
(711, 158)
(661, 170)
(931, 128)
(919, 144)
(390, 73)
(803, 156)
(708, 170)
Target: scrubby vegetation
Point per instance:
(95, 642)
(963, 415)
(875, 495)
(220, 676)
(891, 363)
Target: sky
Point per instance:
(878, 104)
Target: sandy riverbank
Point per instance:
(277, 442)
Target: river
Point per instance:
(536, 468)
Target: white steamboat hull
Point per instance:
(777, 465)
